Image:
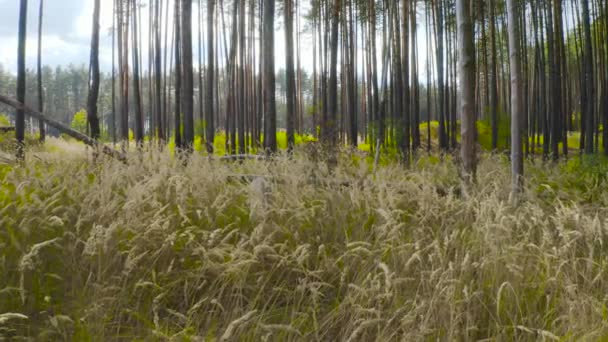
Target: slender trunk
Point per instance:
(20, 117)
(270, 109)
(113, 123)
(160, 135)
(138, 110)
(588, 105)
(443, 140)
(188, 77)
(494, 77)
(209, 112)
(39, 73)
(332, 124)
(178, 78)
(517, 166)
(290, 73)
(466, 77)
(94, 76)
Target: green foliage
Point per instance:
(157, 249)
(79, 121)
(182, 240)
(484, 129)
(4, 121)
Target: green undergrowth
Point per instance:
(159, 249)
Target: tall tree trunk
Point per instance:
(494, 78)
(114, 29)
(20, 117)
(123, 50)
(405, 69)
(315, 84)
(397, 81)
(290, 73)
(375, 103)
(332, 124)
(39, 73)
(94, 76)
(209, 112)
(188, 78)
(270, 108)
(178, 77)
(240, 77)
(415, 107)
(466, 77)
(439, 15)
(351, 75)
(517, 112)
(158, 73)
(139, 127)
(588, 105)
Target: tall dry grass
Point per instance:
(155, 250)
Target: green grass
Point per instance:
(155, 250)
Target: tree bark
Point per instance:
(158, 73)
(39, 72)
(209, 112)
(188, 78)
(20, 117)
(332, 124)
(517, 112)
(92, 116)
(588, 79)
(466, 77)
(270, 109)
(290, 73)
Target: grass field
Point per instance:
(254, 251)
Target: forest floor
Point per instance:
(156, 249)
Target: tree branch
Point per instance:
(63, 128)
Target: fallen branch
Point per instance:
(281, 179)
(239, 157)
(63, 128)
(7, 129)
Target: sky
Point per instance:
(67, 31)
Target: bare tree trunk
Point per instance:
(517, 112)
(178, 78)
(39, 72)
(20, 117)
(290, 74)
(209, 115)
(158, 71)
(270, 108)
(494, 78)
(188, 78)
(332, 125)
(405, 69)
(114, 9)
(466, 77)
(439, 15)
(139, 129)
(123, 50)
(588, 79)
(94, 76)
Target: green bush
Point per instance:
(4, 121)
(79, 121)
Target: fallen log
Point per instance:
(63, 128)
(240, 157)
(7, 129)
